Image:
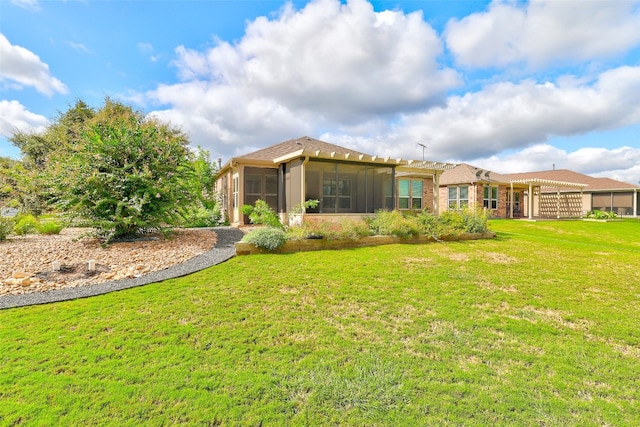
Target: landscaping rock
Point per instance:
(30, 258)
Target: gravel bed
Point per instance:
(223, 250)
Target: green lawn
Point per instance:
(539, 327)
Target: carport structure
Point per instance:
(535, 189)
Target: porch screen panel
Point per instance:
(623, 203)
(601, 202)
(261, 183)
(347, 187)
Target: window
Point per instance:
(458, 197)
(490, 197)
(235, 190)
(410, 194)
(340, 189)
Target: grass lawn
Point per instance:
(539, 327)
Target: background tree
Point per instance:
(41, 154)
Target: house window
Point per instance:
(458, 196)
(336, 191)
(235, 190)
(410, 194)
(490, 197)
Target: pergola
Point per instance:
(539, 183)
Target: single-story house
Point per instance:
(344, 181)
(555, 194)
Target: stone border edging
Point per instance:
(223, 250)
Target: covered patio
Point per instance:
(568, 205)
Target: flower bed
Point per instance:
(291, 246)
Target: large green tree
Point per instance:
(127, 173)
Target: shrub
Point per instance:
(261, 213)
(128, 173)
(344, 229)
(597, 214)
(203, 217)
(465, 221)
(6, 227)
(394, 223)
(50, 227)
(25, 224)
(269, 238)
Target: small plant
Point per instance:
(293, 218)
(25, 224)
(261, 213)
(50, 227)
(269, 238)
(6, 227)
(598, 214)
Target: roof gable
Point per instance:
(292, 146)
(465, 173)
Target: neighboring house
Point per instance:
(556, 194)
(467, 185)
(344, 181)
(603, 194)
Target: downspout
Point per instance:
(635, 202)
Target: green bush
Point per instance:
(261, 213)
(25, 224)
(331, 230)
(597, 214)
(269, 238)
(466, 220)
(49, 227)
(127, 174)
(202, 217)
(6, 227)
(394, 223)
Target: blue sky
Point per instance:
(507, 85)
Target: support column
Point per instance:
(436, 193)
(511, 202)
(558, 203)
(530, 201)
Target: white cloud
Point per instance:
(22, 67)
(79, 46)
(327, 64)
(148, 50)
(14, 116)
(506, 116)
(622, 163)
(543, 31)
(27, 4)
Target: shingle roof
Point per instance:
(294, 145)
(566, 175)
(465, 173)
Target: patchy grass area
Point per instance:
(536, 327)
